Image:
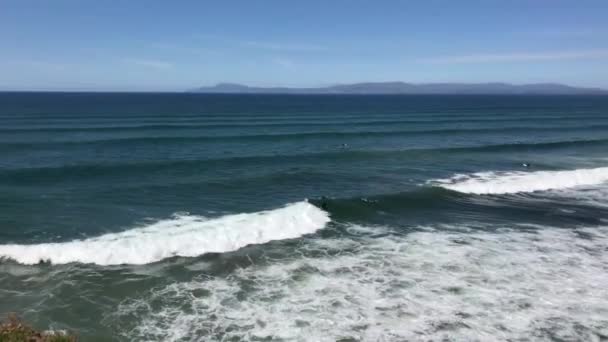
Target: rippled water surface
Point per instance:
(189, 217)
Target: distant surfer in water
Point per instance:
(324, 203)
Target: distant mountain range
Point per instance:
(410, 88)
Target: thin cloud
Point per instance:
(42, 65)
(193, 50)
(283, 62)
(284, 47)
(567, 32)
(519, 57)
(154, 64)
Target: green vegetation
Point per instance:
(13, 330)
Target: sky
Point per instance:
(149, 45)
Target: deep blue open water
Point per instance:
(192, 217)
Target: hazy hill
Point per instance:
(408, 88)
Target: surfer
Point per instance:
(324, 203)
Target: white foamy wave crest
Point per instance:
(542, 285)
(516, 182)
(186, 236)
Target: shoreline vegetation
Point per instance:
(13, 329)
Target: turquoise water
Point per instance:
(186, 217)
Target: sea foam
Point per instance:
(518, 181)
(185, 236)
(540, 283)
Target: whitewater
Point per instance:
(183, 235)
(431, 285)
(511, 182)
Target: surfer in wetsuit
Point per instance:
(324, 203)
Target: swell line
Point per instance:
(89, 170)
(279, 122)
(299, 135)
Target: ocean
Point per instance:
(193, 217)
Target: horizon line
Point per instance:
(320, 87)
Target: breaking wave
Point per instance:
(185, 236)
(515, 182)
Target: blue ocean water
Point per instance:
(186, 217)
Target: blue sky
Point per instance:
(175, 45)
